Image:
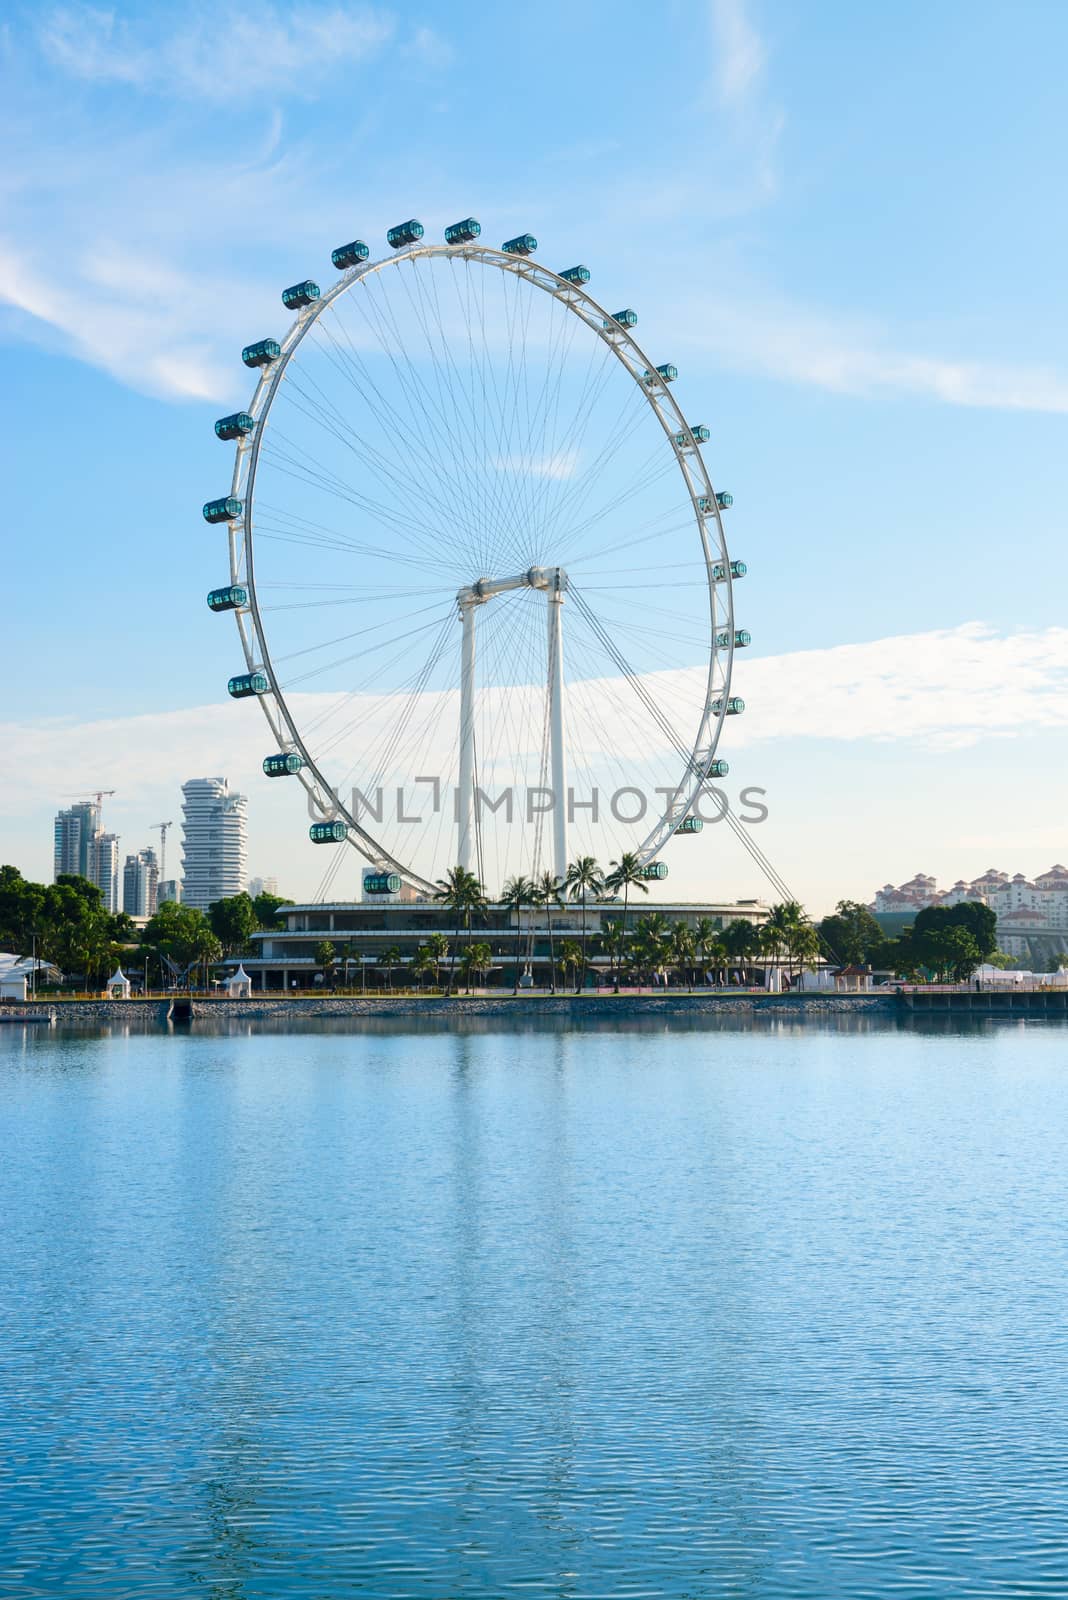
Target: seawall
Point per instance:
(185, 1009)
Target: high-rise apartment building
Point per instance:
(140, 884)
(103, 867)
(73, 833)
(262, 886)
(214, 842)
(169, 889)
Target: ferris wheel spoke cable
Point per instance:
(739, 830)
(407, 490)
(394, 343)
(398, 481)
(293, 466)
(450, 381)
(352, 369)
(457, 434)
(574, 435)
(574, 500)
(423, 493)
(303, 531)
(356, 655)
(358, 633)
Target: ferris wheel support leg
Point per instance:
(555, 596)
(466, 798)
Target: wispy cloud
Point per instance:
(557, 467)
(739, 51)
(798, 345)
(216, 54)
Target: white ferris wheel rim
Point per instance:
(255, 645)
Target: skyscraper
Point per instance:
(140, 884)
(214, 842)
(73, 833)
(103, 867)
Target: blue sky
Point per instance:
(843, 223)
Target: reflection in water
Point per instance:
(684, 1308)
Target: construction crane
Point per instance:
(94, 794)
(162, 826)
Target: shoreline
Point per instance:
(184, 1009)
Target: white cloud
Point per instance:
(556, 467)
(946, 688)
(924, 692)
(216, 54)
(786, 342)
(739, 51)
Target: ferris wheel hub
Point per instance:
(548, 579)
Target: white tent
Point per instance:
(238, 985)
(118, 985)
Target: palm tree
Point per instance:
(614, 941)
(583, 877)
(476, 961)
(741, 939)
(391, 958)
(783, 930)
(461, 893)
(423, 963)
(571, 956)
(625, 874)
(437, 947)
(705, 937)
(325, 957)
(547, 893)
(681, 949)
(517, 893)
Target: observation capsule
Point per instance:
(667, 374)
(235, 426)
(463, 232)
(300, 294)
(575, 274)
(349, 255)
(718, 768)
(381, 882)
(626, 318)
(282, 765)
(248, 683)
(655, 871)
(724, 500)
(719, 572)
(228, 599)
(690, 825)
(698, 434)
(735, 705)
(227, 510)
(524, 244)
(404, 233)
(741, 639)
(261, 354)
(328, 832)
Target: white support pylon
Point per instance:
(553, 580)
(555, 601)
(466, 796)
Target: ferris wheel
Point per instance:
(478, 568)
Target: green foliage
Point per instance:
(461, 892)
(267, 907)
(970, 915)
(182, 934)
(233, 922)
(850, 934)
(68, 921)
(325, 955)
